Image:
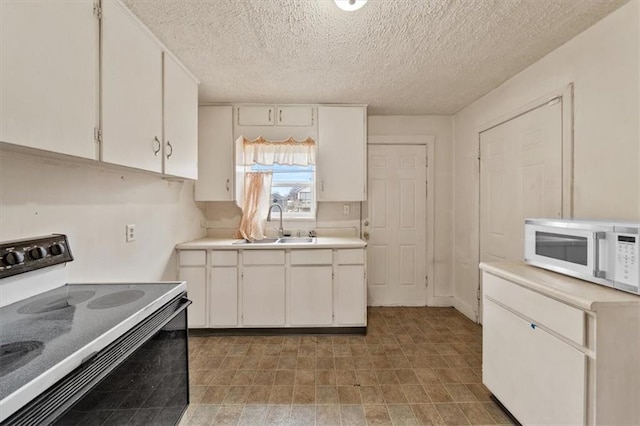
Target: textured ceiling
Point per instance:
(398, 56)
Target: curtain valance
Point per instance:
(286, 152)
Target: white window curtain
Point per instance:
(254, 195)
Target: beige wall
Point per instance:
(92, 204)
(603, 63)
(442, 128)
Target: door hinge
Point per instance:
(478, 153)
(242, 275)
(426, 188)
(97, 10)
(97, 135)
(333, 275)
(426, 281)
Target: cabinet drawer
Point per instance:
(311, 257)
(561, 318)
(263, 257)
(193, 257)
(351, 257)
(224, 258)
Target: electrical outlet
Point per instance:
(346, 208)
(131, 233)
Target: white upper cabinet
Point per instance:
(255, 115)
(49, 75)
(342, 143)
(131, 91)
(294, 116)
(215, 151)
(180, 121)
(280, 115)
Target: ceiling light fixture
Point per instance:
(350, 5)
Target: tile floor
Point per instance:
(415, 366)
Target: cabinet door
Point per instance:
(539, 378)
(49, 75)
(131, 91)
(350, 295)
(215, 154)
(180, 121)
(255, 115)
(294, 116)
(311, 295)
(263, 299)
(223, 297)
(341, 168)
(197, 293)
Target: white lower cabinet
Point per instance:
(557, 350)
(263, 296)
(223, 297)
(311, 295)
(196, 278)
(350, 298)
(541, 379)
(275, 288)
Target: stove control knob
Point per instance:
(57, 249)
(37, 253)
(13, 258)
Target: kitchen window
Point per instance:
(293, 188)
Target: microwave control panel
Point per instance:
(626, 259)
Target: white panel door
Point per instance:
(341, 169)
(263, 296)
(397, 206)
(311, 295)
(520, 177)
(215, 154)
(223, 297)
(539, 378)
(131, 91)
(196, 279)
(350, 295)
(180, 121)
(49, 75)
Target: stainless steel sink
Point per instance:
(284, 240)
(265, 241)
(296, 240)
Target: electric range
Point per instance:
(62, 344)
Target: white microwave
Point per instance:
(605, 253)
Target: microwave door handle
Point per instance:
(597, 272)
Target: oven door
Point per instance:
(575, 252)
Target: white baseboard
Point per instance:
(465, 309)
(442, 301)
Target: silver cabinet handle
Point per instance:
(269, 115)
(156, 151)
(280, 112)
(227, 185)
(171, 149)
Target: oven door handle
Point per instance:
(597, 272)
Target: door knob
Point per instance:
(365, 235)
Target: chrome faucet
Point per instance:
(280, 229)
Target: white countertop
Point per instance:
(581, 294)
(228, 244)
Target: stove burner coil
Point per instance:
(56, 302)
(115, 299)
(17, 354)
